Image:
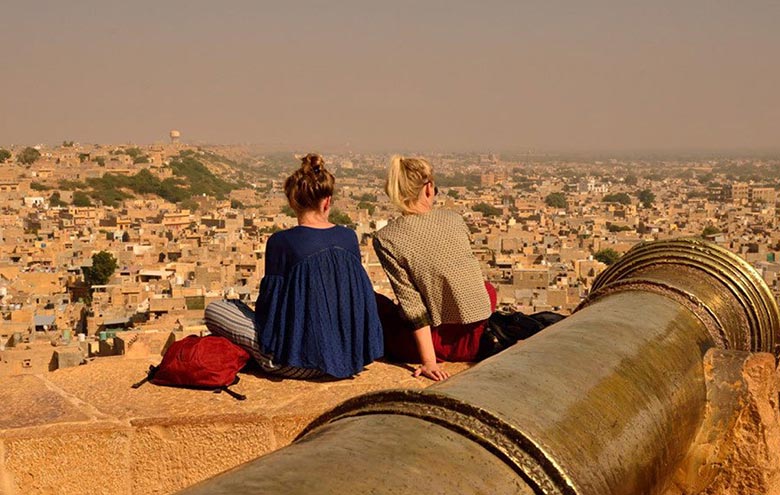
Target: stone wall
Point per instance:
(84, 430)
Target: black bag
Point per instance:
(505, 329)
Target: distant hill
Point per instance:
(191, 177)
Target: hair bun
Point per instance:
(312, 162)
(309, 184)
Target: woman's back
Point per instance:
(316, 307)
(316, 312)
(287, 248)
(427, 256)
(433, 251)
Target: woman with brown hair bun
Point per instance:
(316, 312)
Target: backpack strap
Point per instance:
(231, 393)
(149, 376)
(234, 394)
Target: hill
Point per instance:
(191, 176)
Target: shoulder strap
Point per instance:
(231, 393)
(149, 376)
(234, 394)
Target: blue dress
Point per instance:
(316, 307)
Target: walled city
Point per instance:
(106, 248)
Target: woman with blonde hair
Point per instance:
(444, 302)
(316, 312)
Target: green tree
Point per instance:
(710, 230)
(171, 191)
(487, 210)
(133, 152)
(613, 227)
(144, 182)
(55, 200)
(607, 256)
(459, 179)
(201, 180)
(108, 196)
(189, 204)
(646, 197)
(622, 198)
(71, 185)
(4, 155)
(555, 200)
(367, 205)
(28, 156)
(80, 198)
(103, 266)
(631, 180)
(339, 217)
(453, 194)
(705, 179)
(37, 186)
(287, 210)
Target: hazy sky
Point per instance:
(394, 75)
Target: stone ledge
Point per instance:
(84, 430)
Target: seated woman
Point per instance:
(444, 300)
(316, 312)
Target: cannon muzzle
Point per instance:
(605, 402)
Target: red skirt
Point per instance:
(451, 341)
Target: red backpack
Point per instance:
(210, 362)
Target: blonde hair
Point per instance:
(405, 180)
(310, 184)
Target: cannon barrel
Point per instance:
(606, 401)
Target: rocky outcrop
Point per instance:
(737, 450)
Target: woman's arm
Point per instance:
(412, 305)
(275, 254)
(414, 310)
(430, 368)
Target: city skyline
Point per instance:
(110, 254)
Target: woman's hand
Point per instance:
(430, 368)
(432, 371)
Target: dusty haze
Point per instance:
(427, 75)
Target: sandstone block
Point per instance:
(737, 450)
(84, 430)
(68, 357)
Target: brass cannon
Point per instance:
(607, 401)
